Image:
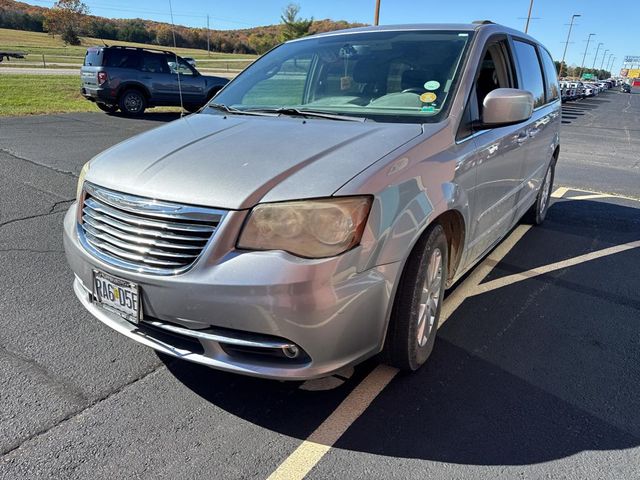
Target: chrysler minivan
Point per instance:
(313, 213)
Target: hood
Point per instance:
(237, 161)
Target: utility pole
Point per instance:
(208, 37)
(610, 64)
(566, 44)
(603, 57)
(585, 53)
(376, 18)
(526, 27)
(596, 56)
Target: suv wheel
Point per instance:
(416, 310)
(538, 211)
(107, 108)
(132, 102)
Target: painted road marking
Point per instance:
(308, 454)
(552, 267)
(560, 192)
(460, 294)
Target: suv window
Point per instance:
(182, 67)
(93, 57)
(154, 63)
(121, 58)
(530, 71)
(550, 75)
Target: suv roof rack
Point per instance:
(483, 22)
(137, 48)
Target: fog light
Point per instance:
(291, 351)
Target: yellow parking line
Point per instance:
(589, 197)
(308, 454)
(535, 272)
(560, 191)
(462, 291)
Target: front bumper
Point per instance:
(336, 315)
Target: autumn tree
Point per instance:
(67, 18)
(292, 26)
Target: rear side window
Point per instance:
(530, 71)
(93, 57)
(550, 76)
(154, 63)
(122, 58)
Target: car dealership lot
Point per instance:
(535, 371)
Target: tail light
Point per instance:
(102, 77)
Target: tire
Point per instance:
(107, 108)
(416, 310)
(538, 211)
(132, 102)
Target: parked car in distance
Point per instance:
(133, 79)
(313, 214)
(625, 88)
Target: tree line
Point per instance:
(577, 72)
(71, 19)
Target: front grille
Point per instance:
(144, 234)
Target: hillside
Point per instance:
(21, 16)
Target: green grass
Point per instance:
(36, 44)
(33, 94)
(29, 94)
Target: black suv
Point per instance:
(133, 79)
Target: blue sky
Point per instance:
(612, 22)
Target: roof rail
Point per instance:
(483, 22)
(137, 48)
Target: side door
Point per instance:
(543, 125)
(157, 77)
(500, 157)
(188, 80)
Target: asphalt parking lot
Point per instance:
(535, 372)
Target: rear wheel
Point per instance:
(416, 310)
(132, 102)
(538, 211)
(107, 108)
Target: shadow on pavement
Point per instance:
(530, 372)
(151, 116)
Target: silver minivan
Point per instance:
(313, 213)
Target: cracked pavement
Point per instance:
(540, 382)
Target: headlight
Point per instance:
(307, 228)
(83, 173)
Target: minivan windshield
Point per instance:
(385, 76)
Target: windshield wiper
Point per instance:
(237, 111)
(298, 112)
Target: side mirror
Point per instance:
(506, 106)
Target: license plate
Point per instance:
(117, 295)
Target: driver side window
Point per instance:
(494, 73)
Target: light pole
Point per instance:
(609, 60)
(526, 27)
(585, 53)
(376, 19)
(610, 64)
(603, 57)
(566, 44)
(596, 56)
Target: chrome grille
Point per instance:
(143, 234)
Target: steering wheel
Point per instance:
(416, 90)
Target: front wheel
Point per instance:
(538, 211)
(416, 310)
